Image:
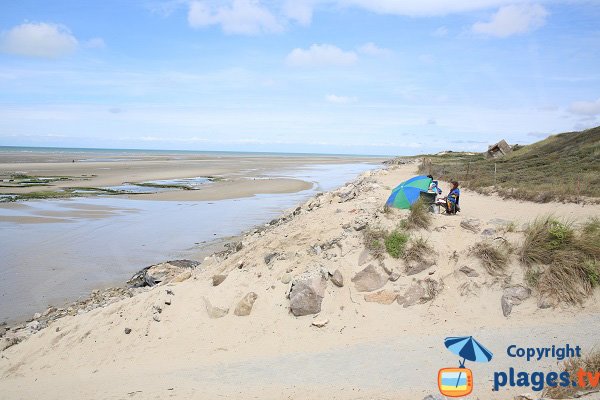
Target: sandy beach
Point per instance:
(356, 347)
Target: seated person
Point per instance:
(433, 186)
(451, 202)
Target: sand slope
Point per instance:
(367, 350)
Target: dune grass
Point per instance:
(494, 257)
(589, 363)
(417, 250)
(562, 262)
(563, 167)
(419, 217)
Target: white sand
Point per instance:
(367, 350)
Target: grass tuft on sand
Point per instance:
(419, 217)
(589, 363)
(494, 258)
(418, 250)
(562, 263)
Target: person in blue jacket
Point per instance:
(453, 198)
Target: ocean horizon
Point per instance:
(125, 151)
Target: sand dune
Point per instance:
(364, 350)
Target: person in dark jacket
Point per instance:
(451, 202)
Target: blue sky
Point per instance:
(341, 76)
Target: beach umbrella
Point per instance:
(469, 349)
(407, 193)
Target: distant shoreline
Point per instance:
(75, 150)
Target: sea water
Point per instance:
(86, 243)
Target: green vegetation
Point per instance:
(378, 241)
(163, 185)
(589, 363)
(395, 243)
(562, 262)
(43, 194)
(562, 167)
(494, 258)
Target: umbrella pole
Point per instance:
(462, 365)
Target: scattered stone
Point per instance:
(471, 224)
(359, 224)
(369, 279)
(214, 312)
(489, 232)
(307, 293)
(412, 296)
(269, 257)
(162, 273)
(434, 397)
(156, 317)
(337, 278)
(37, 315)
(34, 326)
(127, 331)
(513, 295)
(394, 276)
(170, 292)
(545, 302)
(168, 302)
(286, 278)
(218, 279)
(381, 297)
(244, 307)
(415, 268)
(470, 272)
(320, 323)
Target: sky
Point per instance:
(327, 76)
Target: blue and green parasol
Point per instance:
(407, 193)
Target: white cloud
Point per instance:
(513, 20)
(372, 49)
(425, 7)
(300, 11)
(332, 98)
(321, 55)
(246, 17)
(38, 40)
(440, 32)
(95, 43)
(589, 108)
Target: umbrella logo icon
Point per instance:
(458, 382)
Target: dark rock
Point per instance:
(337, 278)
(470, 272)
(488, 232)
(269, 257)
(127, 331)
(161, 273)
(218, 279)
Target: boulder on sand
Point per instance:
(244, 307)
(163, 273)
(214, 312)
(337, 278)
(369, 279)
(307, 292)
(513, 295)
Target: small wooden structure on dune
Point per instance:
(498, 150)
